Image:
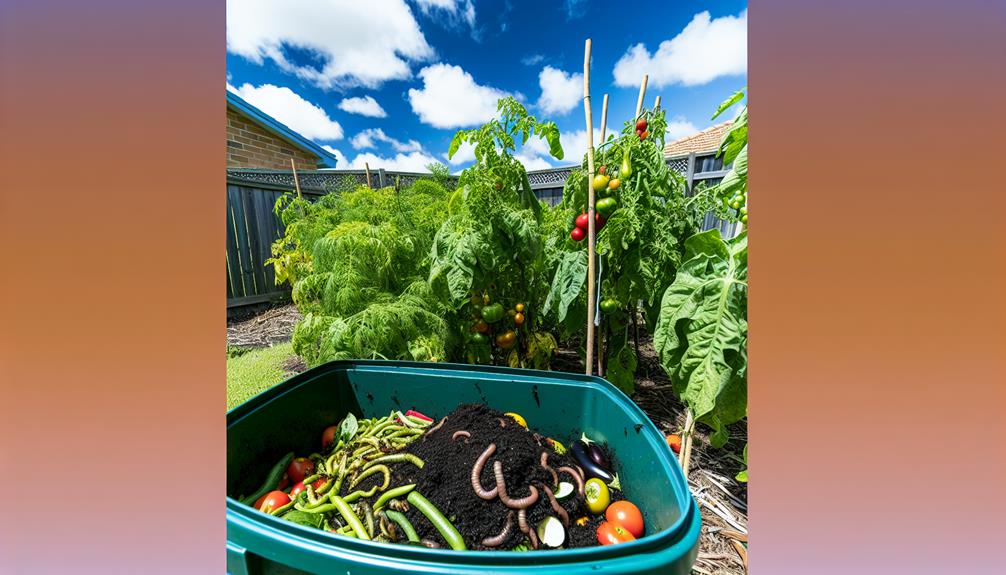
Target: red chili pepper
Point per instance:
(417, 414)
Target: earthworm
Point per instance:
(502, 423)
(579, 470)
(435, 427)
(477, 472)
(460, 433)
(523, 502)
(430, 543)
(497, 540)
(544, 463)
(576, 477)
(556, 507)
(522, 523)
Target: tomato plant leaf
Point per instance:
(733, 99)
(567, 284)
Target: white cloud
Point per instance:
(532, 59)
(450, 98)
(411, 162)
(574, 144)
(464, 155)
(706, 49)
(341, 162)
(364, 106)
(454, 10)
(282, 103)
(357, 43)
(560, 92)
(679, 127)
(368, 137)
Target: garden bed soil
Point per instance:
(263, 330)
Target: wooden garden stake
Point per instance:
(366, 166)
(590, 209)
(604, 116)
(296, 180)
(600, 334)
(686, 443)
(656, 103)
(642, 94)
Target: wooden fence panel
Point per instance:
(252, 227)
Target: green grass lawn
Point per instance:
(255, 371)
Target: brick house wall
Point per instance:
(251, 146)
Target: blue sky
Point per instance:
(390, 81)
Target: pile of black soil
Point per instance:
(446, 480)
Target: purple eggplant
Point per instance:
(581, 453)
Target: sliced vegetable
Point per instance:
(413, 413)
(551, 532)
(627, 515)
(674, 442)
(597, 495)
(564, 490)
(516, 417)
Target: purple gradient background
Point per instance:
(877, 308)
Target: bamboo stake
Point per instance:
(296, 180)
(366, 166)
(656, 103)
(686, 448)
(601, 333)
(590, 208)
(642, 94)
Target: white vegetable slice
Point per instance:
(564, 490)
(551, 532)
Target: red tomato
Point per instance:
(328, 436)
(273, 500)
(674, 442)
(299, 469)
(578, 234)
(627, 515)
(609, 533)
(319, 482)
(645, 134)
(582, 221)
(297, 489)
(641, 125)
(600, 170)
(599, 221)
(258, 502)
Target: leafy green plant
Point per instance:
(489, 250)
(701, 333)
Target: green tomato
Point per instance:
(744, 210)
(600, 182)
(597, 495)
(606, 206)
(744, 219)
(493, 313)
(610, 305)
(478, 338)
(735, 204)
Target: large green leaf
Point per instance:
(701, 333)
(736, 97)
(568, 282)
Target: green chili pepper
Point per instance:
(403, 522)
(371, 471)
(626, 169)
(443, 525)
(271, 480)
(396, 458)
(393, 493)
(351, 518)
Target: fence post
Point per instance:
(690, 173)
(380, 177)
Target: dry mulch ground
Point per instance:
(722, 499)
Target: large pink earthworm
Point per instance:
(556, 507)
(477, 473)
(523, 502)
(576, 476)
(544, 463)
(497, 540)
(460, 433)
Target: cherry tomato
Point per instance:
(506, 340)
(600, 170)
(627, 515)
(614, 184)
(273, 500)
(328, 436)
(578, 234)
(299, 469)
(518, 318)
(519, 307)
(597, 495)
(318, 483)
(582, 221)
(297, 489)
(284, 482)
(641, 125)
(610, 534)
(644, 135)
(480, 326)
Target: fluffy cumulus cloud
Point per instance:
(369, 138)
(364, 106)
(341, 162)
(411, 162)
(454, 11)
(679, 127)
(706, 49)
(560, 92)
(314, 40)
(282, 103)
(450, 98)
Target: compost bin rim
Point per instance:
(648, 431)
(274, 528)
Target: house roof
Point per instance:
(706, 141)
(325, 158)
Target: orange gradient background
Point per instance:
(877, 292)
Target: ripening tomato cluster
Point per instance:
(606, 188)
(641, 129)
(739, 202)
(489, 318)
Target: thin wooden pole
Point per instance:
(601, 333)
(642, 94)
(296, 180)
(366, 166)
(656, 103)
(590, 208)
(686, 444)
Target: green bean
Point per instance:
(396, 458)
(359, 493)
(368, 515)
(320, 509)
(312, 500)
(281, 509)
(271, 480)
(393, 493)
(403, 522)
(377, 429)
(443, 525)
(350, 517)
(401, 433)
(311, 479)
(367, 473)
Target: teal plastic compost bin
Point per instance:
(290, 416)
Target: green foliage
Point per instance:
(742, 476)
(701, 334)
